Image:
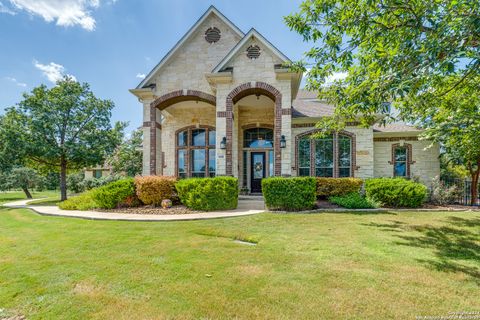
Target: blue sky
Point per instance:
(110, 43)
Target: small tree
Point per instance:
(65, 127)
(25, 179)
(127, 158)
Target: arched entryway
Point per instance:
(162, 103)
(256, 89)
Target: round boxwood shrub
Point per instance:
(114, 194)
(327, 187)
(396, 192)
(290, 194)
(207, 194)
(152, 190)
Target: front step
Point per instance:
(251, 197)
(249, 202)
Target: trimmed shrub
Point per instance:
(396, 192)
(151, 190)
(327, 187)
(353, 201)
(80, 202)
(114, 194)
(290, 194)
(219, 193)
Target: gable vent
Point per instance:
(253, 52)
(212, 35)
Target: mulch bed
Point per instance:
(152, 210)
(324, 204)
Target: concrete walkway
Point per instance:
(244, 209)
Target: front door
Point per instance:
(257, 171)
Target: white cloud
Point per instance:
(20, 84)
(65, 13)
(336, 76)
(7, 10)
(53, 71)
(140, 75)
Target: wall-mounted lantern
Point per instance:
(223, 143)
(283, 142)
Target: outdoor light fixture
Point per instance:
(223, 143)
(283, 142)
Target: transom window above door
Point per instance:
(258, 138)
(330, 156)
(195, 156)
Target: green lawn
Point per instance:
(19, 195)
(321, 266)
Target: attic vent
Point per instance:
(212, 35)
(253, 52)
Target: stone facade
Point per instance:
(218, 86)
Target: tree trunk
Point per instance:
(474, 187)
(63, 180)
(27, 193)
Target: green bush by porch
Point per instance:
(208, 194)
(293, 194)
(328, 187)
(396, 192)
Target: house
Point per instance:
(97, 172)
(221, 102)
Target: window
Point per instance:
(317, 157)
(400, 161)
(258, 138)
(196, 152)
(97, 174)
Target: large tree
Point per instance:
(127, 157)
(64, 127)
(390, 50)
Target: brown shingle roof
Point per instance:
(394, 127)
(307, 105)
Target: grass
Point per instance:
(20, 195)
(328, 266)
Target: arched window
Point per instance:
(196, 152)
(401, 159)
(258, 138)
(330, 156)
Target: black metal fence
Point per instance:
(465, 188)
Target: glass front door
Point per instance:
(257, 171)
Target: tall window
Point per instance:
(330, 156)
(400, 160)
(196, 152)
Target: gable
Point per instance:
(193, 56)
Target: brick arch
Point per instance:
(240, 92)
(173, 97)
(351, 135)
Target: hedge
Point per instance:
(353, 201)
(207, 194)
(290, 194)
(83, 201)
(396, 192)
(114, 194)
(151, 190)
(327, 187)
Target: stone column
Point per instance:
(152, 160)
(221, 129)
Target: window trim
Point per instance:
(409, 161)
(336, 169)
(190, 147)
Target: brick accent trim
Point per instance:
(287, 112)
(381, 139)
(173, 97)
(336, 169)
(240, 92)
(147, 124)
(312, 124)
(221, 114)
(409, 157)
(153, 140)
(254, 125)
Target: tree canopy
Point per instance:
(63, 127)
(127, 157)
(390, 51)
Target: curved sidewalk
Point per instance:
(243, 210)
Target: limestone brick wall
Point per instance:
(364, 150)
(426, 166)
(186, 70)
(247, 70)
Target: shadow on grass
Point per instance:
(456, 246)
